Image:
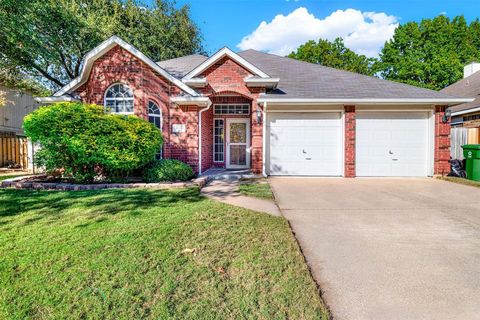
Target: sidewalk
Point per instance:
(227, 191)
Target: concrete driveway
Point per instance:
(388, 248)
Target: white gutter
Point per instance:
(188, 100)
(196, 82)
(200, 136)
(458, 113)
(366, 101)
(261, 82)
(54, 99)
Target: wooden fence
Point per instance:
(13, 151)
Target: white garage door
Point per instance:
(392, 144)
(307, 144)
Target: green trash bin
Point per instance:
(471, 152)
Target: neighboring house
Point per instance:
(15, 151)
(275, 115)
(466, 116)
(18, 105)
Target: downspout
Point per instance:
(200, 137)
(264, 138)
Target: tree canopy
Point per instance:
(333, 54)
(47, 39)
(431, 53)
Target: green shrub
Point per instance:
(87, 143)
(168, 170)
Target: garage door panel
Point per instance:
(392, 144)
(305, 144)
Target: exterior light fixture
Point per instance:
(446, 115)
(259, 115)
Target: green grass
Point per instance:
(258, 188)
(141, 253)
(461, 181)
(11, 176)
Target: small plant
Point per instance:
(168, 170)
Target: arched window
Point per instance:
(155, 117)
(119, 99)
(154, 114)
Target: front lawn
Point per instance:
(258, 188)
(140, 253)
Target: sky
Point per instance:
(280, 26)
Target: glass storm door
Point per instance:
(238, 143)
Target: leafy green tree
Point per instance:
(85, 143)
(47, 39)
(333, 54)
(430, 53)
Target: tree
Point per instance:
(47, 39)
(333, 54)
(431, 53)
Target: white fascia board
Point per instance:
(186, 100)
(196, 82)
(220, 54)
(459, 113)
(104, 47)
(406, 101)
(54, 99)
(261, 82)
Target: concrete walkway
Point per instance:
(226, 191)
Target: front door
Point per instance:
(238, 143)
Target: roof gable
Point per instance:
(225, 52)
(103, 48)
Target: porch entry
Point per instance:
(238, 143)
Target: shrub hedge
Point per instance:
(167, 170)
(86, 143)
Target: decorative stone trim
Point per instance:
(17, 183)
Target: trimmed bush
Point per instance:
(168, 170)
(86, 143)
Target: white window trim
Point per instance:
(224, 143)
(156, 115)
(118, 99)
(232, 104)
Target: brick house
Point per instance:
(274, 115)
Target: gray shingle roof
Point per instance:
(468, 87)
(179, 67)
(300, 79)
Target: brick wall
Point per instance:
(226, 85)
(119, 65)
(350, 141)
(442, 142)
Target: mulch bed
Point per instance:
(42, 182)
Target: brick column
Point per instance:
(442, 142)
(350, 141)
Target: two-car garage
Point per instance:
(387, 143)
